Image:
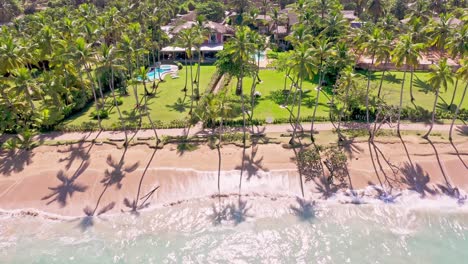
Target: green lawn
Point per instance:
(164, 106)
(273, 82)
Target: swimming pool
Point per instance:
(155, 73)
(259, 56)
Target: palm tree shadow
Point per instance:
(423, 86)
(180, 105)
(220, 213)
(462, 130)
(239, 212)
(118, 171)
(392, 78)
(76, 152)
(67, 187)
(186, 146)
(14, 161)
(350, 147)
(324, 187)
(252, 164)
(305, 210)
(88, 220)
(141, 203)
(416, 179)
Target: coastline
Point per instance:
(70, 181)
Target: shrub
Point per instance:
(102, 113)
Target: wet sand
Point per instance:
(83, 178)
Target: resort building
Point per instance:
(218, 35)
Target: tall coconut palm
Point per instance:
(405, 53)
(383, 55)
(83, 54)
(346, 82)
(376, 9)
(462, 73)
(200, 34)
(441, 76)
(457, 45)
(303, 66)
(110, 62)
(24, 85)
(142, 75)
(440, 31)
(186, 39)
(372, 47)
(322, 49)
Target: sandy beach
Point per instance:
(84, 177)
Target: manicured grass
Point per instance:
(268, 105)
(164, 106)
(273, 82)
(424, 96)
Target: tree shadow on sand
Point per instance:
(416, 179)
(349, 147)
(76, 151)
(462, 130)
(117, 172)
(304, 210)
(138, 202)
(111, 177)
(251, 164)
(14, 161)
(67, 187)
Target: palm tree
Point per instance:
(303, 66)
(405, 53)
(458, 46)
(321, 51)
(186, 39)
(24, 85)
(383, 54)
(372, 47)
(346, 81)
(440, 31)
(462, 73)
(85, 57)
(241, 50)
(200, 34)
(376, 9)
(440, 77)
(142, 74)
(109, 61)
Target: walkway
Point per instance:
(198, 130)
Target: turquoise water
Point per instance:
(258, 230)
(259, 56)
(155, 73)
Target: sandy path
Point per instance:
(283, 128)
(67, 179)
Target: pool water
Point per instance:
(155, 73)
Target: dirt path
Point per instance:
(198, 130)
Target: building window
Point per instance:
(213, 38)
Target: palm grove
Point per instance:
(55, 62)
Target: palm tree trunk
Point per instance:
(411, 84)
(457, 111)
(186, 76)
(291, 142)
(367, 95)
(117, 106)
(95, 97)
(454, 93)
(191, 82)
(319, 87)
(426, 136)
(338, 129)
(149, 115)
(381, 79)
(401, 102)
(197, 79)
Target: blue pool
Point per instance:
(156, 72)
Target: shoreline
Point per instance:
(70, 179)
